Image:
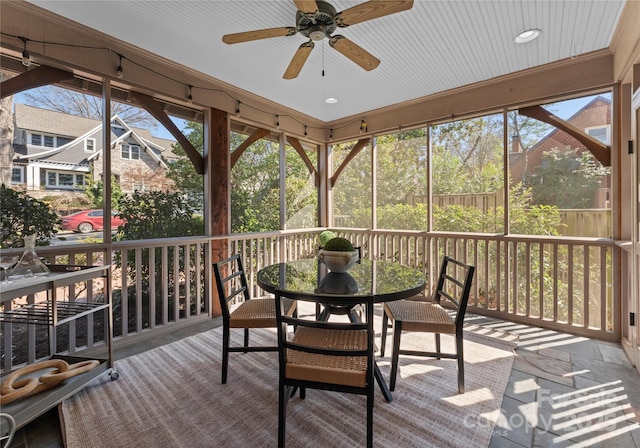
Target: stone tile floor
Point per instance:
(564, 391)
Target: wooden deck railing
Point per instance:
(566, 284)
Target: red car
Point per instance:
(89, 221)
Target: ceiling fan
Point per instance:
(317, 20)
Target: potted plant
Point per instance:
(338, 254)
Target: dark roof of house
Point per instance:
(46, 121)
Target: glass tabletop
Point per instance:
(311, 280)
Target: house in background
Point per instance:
(57, 153)
(594, 118)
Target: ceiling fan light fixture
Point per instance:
(316, 33)
(527, 35)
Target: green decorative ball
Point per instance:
(339, 244)
(325, 236)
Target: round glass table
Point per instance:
(310, 280)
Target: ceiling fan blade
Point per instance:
(247, 36)
(354, 52)
(298, 60)
(307, 6)
(371, 10)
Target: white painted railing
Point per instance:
(559, 283)
(155, 284)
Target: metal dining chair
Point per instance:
(241, 311)
(454, 285)
(334, 356)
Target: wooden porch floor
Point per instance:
(564, 390)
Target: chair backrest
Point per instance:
(231, 281)
(286, 346)
(454, 285)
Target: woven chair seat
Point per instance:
(341, 370)
(421, 316)
(258, 313)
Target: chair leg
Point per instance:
(437, 335)
(246, 338)
(225, 353)
(282, 414)
(383, 336)
(397, 331)
(370, 419)
(460, 354)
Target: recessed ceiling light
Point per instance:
(331, 100)
(527, 35)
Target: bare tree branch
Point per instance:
(87, 106)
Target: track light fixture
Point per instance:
(119, 69)
(26, 59)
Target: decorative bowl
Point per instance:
(338, 261)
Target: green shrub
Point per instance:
(23, 215)
(339, 244)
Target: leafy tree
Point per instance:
(402, 216)
(156, 214)
(82, 105)
(401, 166)
(182, 172)
(255, 182)
(95, 192)
(458, 218)
(567, 179)
(352, 192)
(255, 187)
(528, 218)
(468, 155)
(23, 215)
(301, 193)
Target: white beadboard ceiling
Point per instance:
(435, 46)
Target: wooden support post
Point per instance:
(219, 168)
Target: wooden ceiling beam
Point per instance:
(39, 76)
(599, 150)
(305, 158)
(156, 109)
(354, 152)
(257, 135)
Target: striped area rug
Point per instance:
(171, 396)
